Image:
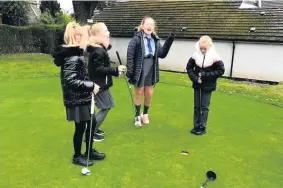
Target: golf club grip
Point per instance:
(92, 104)
(118, 56)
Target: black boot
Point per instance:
(193, 131)
(82, 161)
(98, 138)
(95, 155)
(201, 131)
(100, 132)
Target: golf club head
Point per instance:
(85, 172)
(211, 175)
(184, 29)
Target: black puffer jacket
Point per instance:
(135, 56)
(75, 82)
(209, 74)
(99, 67)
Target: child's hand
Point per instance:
(122, 68)
(96, 89)
(199, 80)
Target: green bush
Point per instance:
(40, 38)
(46, 18)
(59, 18)
(62, 18)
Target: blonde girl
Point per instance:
(101, 72)
(203, 68)
(77, 89)
(144, 51)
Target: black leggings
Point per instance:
(100, 117)
(78, 136)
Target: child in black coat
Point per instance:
(203, 68)
(77, 90)
(101, 72)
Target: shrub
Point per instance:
(27, 39)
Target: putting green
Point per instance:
(243, 144)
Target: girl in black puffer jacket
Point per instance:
(101, 72)
(204, 68)
(77, 89)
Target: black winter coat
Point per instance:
(209, 75)
(135, 56)
(99, 67)
(76, 87)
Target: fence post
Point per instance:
(1, 19)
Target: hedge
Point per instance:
(30, 39)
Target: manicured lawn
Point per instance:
(243, 144)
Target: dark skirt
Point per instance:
(78, 113)
(104, 100)
(147, 76)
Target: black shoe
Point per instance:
(98, 138)
(100, 132)
(82, 161)
(95, 155)
(201, 131)
(193, 131)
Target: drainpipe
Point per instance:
(232, 61)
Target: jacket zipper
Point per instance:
(155, 60)
(203, 61)
(142, 45)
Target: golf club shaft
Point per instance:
(90, 128)
(128, 85)
(204, 183)
(200, 95)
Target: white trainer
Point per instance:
(145, 119)
(138, 121)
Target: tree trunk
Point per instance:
(84, 10)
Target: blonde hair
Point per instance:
(206, 39)
(70, 34)
(88, 27)
(95, 29)
(142, 22)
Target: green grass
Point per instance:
(243, 145)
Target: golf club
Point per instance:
(200, 97)
(184, 29)
(129, 86)
(85, 170)
(210, 176)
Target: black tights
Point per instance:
(78, 136)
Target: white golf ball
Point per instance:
(85, 172)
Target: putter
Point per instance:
(184, 29)
(85, 170)
(129, 86)
(200, 97)
(210, 176)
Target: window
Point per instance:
(250, 4)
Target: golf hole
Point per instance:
(184, 153)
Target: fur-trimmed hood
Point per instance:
(211, 56)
